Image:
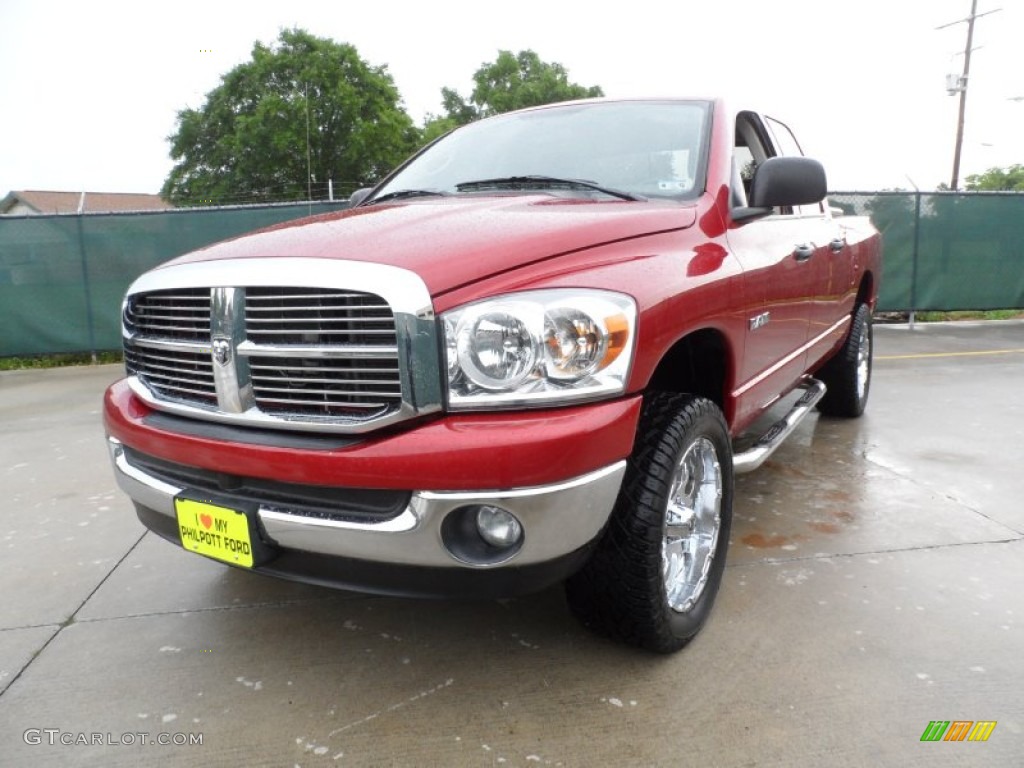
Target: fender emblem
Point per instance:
(759, 321)
(221, 351)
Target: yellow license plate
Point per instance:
(216, 532)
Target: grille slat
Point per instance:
(334, 404)
(176, 299)
(196, 314)
(175, 362)
(323, 331)
(309, 392)
(172, 330)
(257, 307)
(169, 386)
(170, 373)
(321, 368)
(305, 381)
(319, 317)
(310, 353)
(281, 294)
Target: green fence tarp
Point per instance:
(946, 251)
(62, 278)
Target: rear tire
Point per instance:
(655, 572)
(848, 374)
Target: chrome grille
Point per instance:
(315, 316)
(249, 342)
(172, 373)
(182, 315)
(163, 330)
(360, 378)
(327, 387)
(308, 351)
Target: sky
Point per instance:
(90, 91)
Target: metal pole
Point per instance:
(85, 281)
(913, 262)
(963, 98)
(962, 86)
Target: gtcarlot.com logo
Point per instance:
(56, 736)
(958, 730)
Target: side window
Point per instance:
(784, 138)
(790, 147)
(753, 145)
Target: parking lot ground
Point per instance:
(875, 584)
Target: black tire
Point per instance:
(623, 590)
(848, 374)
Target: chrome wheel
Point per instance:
(847, 375)
(863, 361)
(653, 576)
(693, 520)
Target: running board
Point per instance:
(758, 453)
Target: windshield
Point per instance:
(643, 149)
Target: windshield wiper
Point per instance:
(543, 182)
(402, 194)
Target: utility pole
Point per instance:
(961, 86)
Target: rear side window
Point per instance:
(784, 138)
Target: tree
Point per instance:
(998, 180)
(248, 142)
(510, 82)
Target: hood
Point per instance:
(453, 241)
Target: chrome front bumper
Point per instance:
(557, 519)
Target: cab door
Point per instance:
(782, 273)
(829, 262)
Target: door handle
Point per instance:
(838, 244)
(803, 252)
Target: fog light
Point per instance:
(498, 527)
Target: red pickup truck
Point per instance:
(523, 358)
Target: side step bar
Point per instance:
(758, 453)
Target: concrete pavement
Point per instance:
(875, 584)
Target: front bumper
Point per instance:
(464, 452)
(411, 553)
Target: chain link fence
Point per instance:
(62, 277)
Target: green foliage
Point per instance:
(60, 360)
(892, 214)
(247, 143)
(994, 314)
(435, 126)
(998, 180)
(513, 82)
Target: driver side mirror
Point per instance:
(783, 182)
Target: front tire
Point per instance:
(654, 575)
(847, 375)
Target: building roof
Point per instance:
(38, 201)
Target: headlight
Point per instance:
(539, 347)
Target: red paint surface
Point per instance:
(466, 452)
